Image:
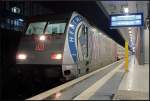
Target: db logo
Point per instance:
(40, 46)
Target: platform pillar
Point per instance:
(126, 56)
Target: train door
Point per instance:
(82, 46)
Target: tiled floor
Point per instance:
(135, 83)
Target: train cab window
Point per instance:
(54, 28)
(36, 28)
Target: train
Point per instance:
(64, 46)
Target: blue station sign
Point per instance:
(126, 20)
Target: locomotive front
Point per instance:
(40, 50)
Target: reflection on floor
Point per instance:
(135, 84)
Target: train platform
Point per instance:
(135, 83)
(108, 83)
(131, 87)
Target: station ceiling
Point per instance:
(116, 7)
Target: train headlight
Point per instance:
(42, 38)
(56, 56)
(21, 56)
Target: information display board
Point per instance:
(126, 20)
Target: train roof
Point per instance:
(52, 17)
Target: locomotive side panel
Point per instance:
(69, 66)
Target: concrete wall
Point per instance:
(138, 46)
(146, 45)
(142, 46)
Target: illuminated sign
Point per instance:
(126, 20)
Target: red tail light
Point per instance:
(56, 56)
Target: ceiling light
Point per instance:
(130, 32)
(94, 29)
(129, 28)
(126, 10)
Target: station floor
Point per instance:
(135, 83)
(131, 85)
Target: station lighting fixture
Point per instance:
(129, 28)
(94, 29)
(130, 32)
(130, 35)
(21, 56)
(100, 33)
(42, 38)
(126, 10)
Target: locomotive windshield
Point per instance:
(50, 28)
(36, 28)
(54, 28)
